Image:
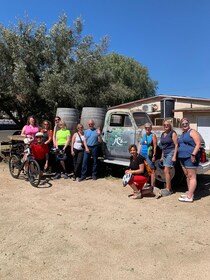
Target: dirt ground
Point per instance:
(92, 230)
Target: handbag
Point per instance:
(148, 168)
(150, 150)
(203, 157)
(83, 146)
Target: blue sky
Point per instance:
(170, 37)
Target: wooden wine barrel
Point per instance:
(70, 116)
(94, 113)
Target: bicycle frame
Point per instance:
(25, 161)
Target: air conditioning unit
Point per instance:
(147, 108)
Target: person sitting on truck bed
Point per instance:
(93, 138)
(169, 144)
(149, 142)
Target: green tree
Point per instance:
(128, 80)
(41, 70)
(21, 61)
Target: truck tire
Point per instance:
(177, 176)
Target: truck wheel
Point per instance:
(177, 175)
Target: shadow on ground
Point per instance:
(203, 186)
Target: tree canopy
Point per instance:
(41, 70)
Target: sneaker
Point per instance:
(57, 176)
(65, 176)
(157, 192)
(186, 199)
(81, 179)
(165, 192)
(73, 178)
(184, 194)
(94, 178)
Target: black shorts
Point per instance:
(41, 163)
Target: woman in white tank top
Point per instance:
(78, 144)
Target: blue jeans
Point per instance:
(94, 154)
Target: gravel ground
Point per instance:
(92, 230)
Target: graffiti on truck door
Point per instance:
(119, 141)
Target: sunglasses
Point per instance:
(185, 124)
(38, 136)
(46, 123)
(57, 120)
(166, 125)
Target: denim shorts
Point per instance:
(167, 160)
(187, 163)
(151, 164)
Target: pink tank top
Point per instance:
(31, 130)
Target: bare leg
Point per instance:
(191, 182)
(153, 178)
(133, 186)
(168, 178)
(63, 165)
(136, 191)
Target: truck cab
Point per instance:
(122, 127)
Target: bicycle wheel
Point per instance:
(14, 166)
(34, 173)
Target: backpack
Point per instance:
(147, 167)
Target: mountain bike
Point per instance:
(21, 160)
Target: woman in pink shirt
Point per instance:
(31, 128)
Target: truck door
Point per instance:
(119, 133)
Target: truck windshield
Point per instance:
(141, 118)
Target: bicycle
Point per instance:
(21, 160)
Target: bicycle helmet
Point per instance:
(39, 134)
(61, 155)
(126, 178)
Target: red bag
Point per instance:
(202, 155)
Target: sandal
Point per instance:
(137, 195)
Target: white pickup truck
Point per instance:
(123, 127)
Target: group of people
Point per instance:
(84, 143)
(186, 149)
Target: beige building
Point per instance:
(161, 107)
